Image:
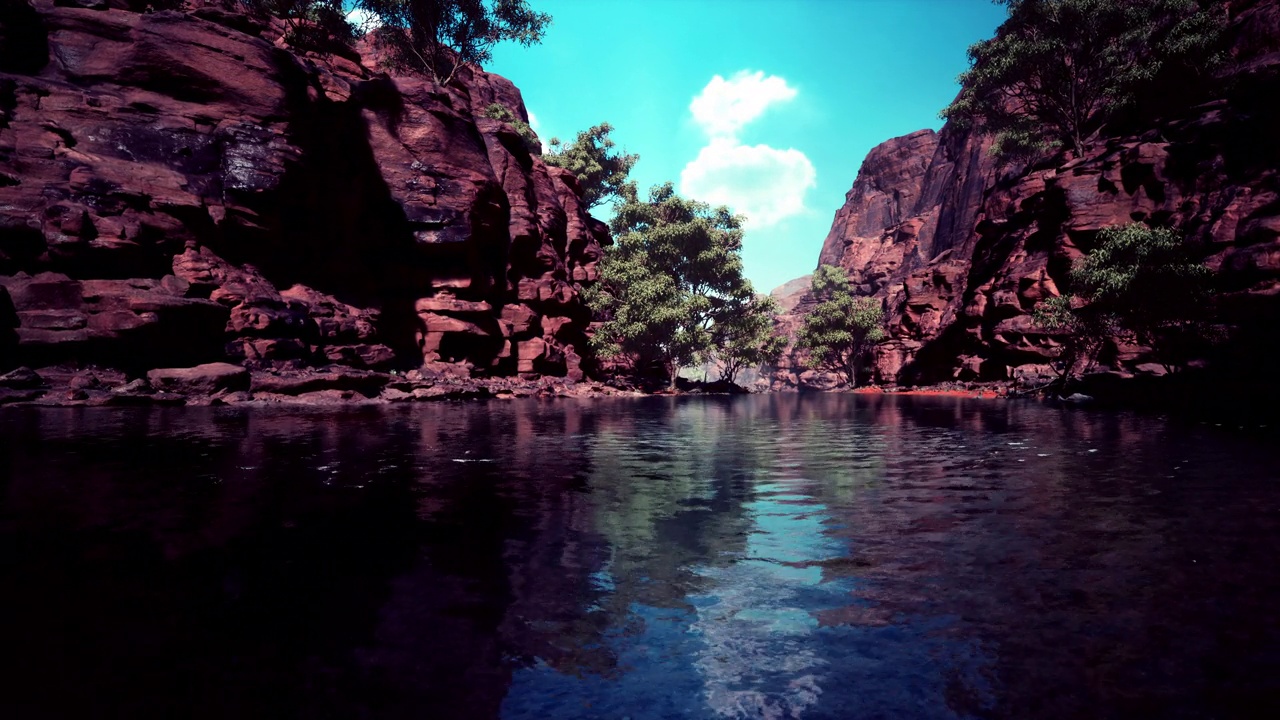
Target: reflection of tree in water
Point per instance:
(506, 551)
(668, 486)
(989, 559)
(765, 653)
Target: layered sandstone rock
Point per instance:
(961, 249)
(179, 188)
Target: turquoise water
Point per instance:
(782, 556)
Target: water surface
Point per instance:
(781, 556)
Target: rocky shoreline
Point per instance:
(227, 384)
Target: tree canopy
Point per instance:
(1139, 284)
(1058, 70)
(672, 284)
(842, 327)
(744, 335)
(600, 170)
(440, 36)
(432, 36)
(319, 25)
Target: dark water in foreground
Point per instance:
(762, 557)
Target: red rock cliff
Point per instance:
(178, 187)
(961, 250)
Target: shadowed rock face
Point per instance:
(961, 249)
(181, 188)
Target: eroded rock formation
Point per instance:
(961, 248)
(180, 188)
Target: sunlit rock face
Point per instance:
(961, 248)
(180, 188)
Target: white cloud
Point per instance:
(761, 182)
(764, 183)
(363, 20)
(537, 128)
(725, 106)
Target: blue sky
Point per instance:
(805, 88)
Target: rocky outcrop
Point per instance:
(961, 249)
(181, 187)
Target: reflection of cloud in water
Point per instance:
(759, 659)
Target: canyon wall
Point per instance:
(960, 248)
(182, 187)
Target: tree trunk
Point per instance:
(673, 370)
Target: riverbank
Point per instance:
(226, 384)
(1195, 394)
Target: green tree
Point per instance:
(1138, 284)
(674, 272)
(319, 25)
(600, 171)
(842, 327)
(1058, 70)
(440, 36)
(1082, 334)
(744, 336)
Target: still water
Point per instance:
(783, 556)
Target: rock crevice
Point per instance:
(181, 187)
(961, 248)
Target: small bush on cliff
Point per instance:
(1058, 70)
(440, 36)
(672, 284)
(526, 133)
(601, 172)
(317, 25)
(1140, 285)
(841, 329)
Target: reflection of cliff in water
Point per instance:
(1074, 548)
(301, 563)
(822, 556)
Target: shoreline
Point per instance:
(223, 384)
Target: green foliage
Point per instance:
(1139, 284)
(440, 36)
(1058, 70)
(432, 36)
(317, 25)
(672, 283)
(600, 171)
(842, 327)
(526, 133)
(1082, 333)
(744, 335)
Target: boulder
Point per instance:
(202, 379)
(333, 378)
(21, 379)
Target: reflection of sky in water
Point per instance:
(759, 660)
(752, 646)
(821, 557)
